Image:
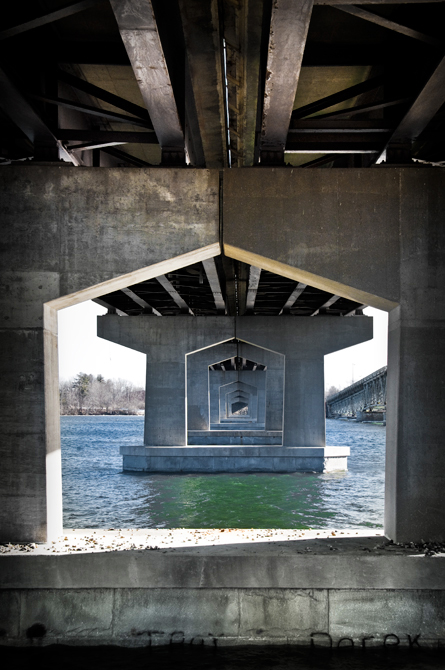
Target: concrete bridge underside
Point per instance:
(373, 236)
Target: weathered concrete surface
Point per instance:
(235, 593)
(376, 236)
(373, 235)
(216, 616)
(65, 230)
(82, 227)
(228, 458)
(415, 458)
(324, 224)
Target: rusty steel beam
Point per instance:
(203, 41)
(48, 18)
(426, 105)
(139, 32)
(140, 301)
(243, 30)
(213, 279)
(94, 111)
(288, 31)
(391, 25)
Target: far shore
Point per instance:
(140, 412)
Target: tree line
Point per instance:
(332, 390)
(87, 394)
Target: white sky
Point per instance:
(80, 350)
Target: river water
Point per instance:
(97, 494)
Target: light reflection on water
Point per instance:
(97, 494)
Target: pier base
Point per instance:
(228, 458)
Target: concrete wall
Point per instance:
(234, 451)
(219, 617)
(324, 225)
(376, 236)
(234, 596)
(63, 230)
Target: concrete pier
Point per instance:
(287, 395)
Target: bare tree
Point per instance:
(86, 394)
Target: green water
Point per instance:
(98, 494)
(239, 501)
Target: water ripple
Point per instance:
(97, 494)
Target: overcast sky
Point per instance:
(80, 350)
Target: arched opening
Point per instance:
(234, 395)
(54, 504)
(240, 408)
(226, 399)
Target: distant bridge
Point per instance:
(361, 398)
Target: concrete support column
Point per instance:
(23, 451)
(72, 235)
(415, 454)
(304, 416)
(165, 402)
